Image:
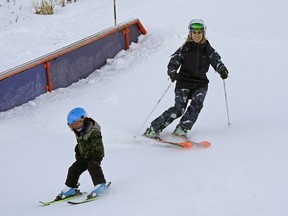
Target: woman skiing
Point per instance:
(193, 58)
(89, 154)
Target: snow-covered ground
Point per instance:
(243, 173)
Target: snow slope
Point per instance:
(243, 173)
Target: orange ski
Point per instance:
(184, 145)
(204, 144)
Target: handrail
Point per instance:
(76, 45)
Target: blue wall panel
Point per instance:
(134, 34)
(21, 88)
(80, 63)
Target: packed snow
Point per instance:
(244, 172)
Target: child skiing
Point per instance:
(89, 154)
(193, 58)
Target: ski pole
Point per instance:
(227, 110)
(115, 18)
(154, 107)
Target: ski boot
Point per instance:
(98, 190)
(151, 133)
(68, 192)
(179, 131)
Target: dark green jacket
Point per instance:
(89, 141)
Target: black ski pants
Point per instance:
(81, 165)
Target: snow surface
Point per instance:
(243, 173)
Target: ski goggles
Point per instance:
(197, 32)
(76, 124)
(196, 26)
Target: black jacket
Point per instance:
(194, 60)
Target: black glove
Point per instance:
(77, 153)
(95, 158)
(223, 72)
(174, 76)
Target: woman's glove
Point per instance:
(223, 73)
(174, 76)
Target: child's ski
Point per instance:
(88, 199)
(61, 200)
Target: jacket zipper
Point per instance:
(197, 64)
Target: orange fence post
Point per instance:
(126, 35)
(48, 78)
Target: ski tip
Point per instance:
(206, 144)
(186, 145)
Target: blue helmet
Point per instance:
(76, 114)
